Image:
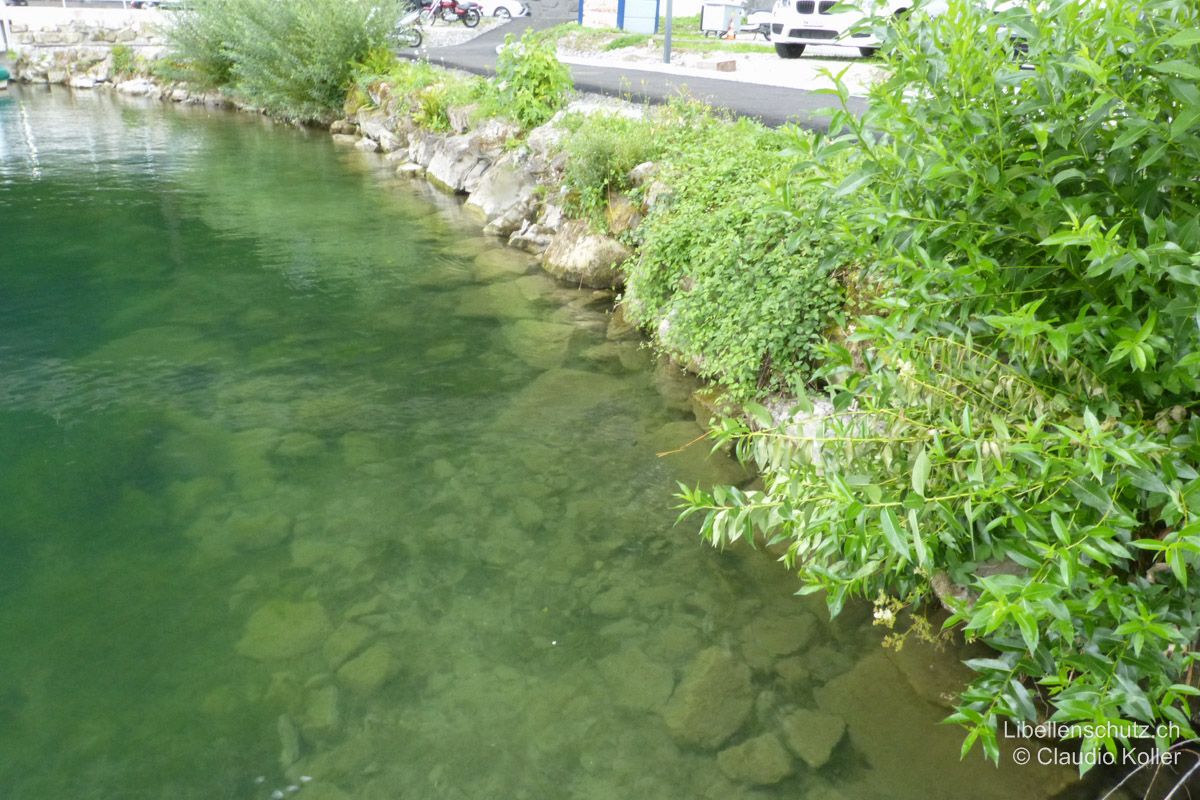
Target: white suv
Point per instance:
(797, 23)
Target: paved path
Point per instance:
(773, 105)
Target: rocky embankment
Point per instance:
(57, 46)
(513, 183)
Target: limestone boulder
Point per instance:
(813, 735)
(622, 214)
(542, 345)
(369, 671)
(506, 195)
(712, 702)
(281, 629)
(766, 639)
(532, 238)
(581, 257)
(635, 681)
(139, 87)
(375, 124)
(761, 761)
(456, 165)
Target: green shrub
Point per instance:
(1014, 414)
(124, 62)
(531, 84)
(199, 43)
(601, 151)
(295, 60)
(741, 290)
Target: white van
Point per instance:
(796, 24)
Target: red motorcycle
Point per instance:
(464, 11)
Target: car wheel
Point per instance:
(789, 50)
(867, 52)
(502, 13)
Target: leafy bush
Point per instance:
(753, 300)
(601, 150)
(124, 62)
(1011, 427)
(296, 60)
(531, 84)
(199, 43)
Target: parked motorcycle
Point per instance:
(406, 33)
(464, 11)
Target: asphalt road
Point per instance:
(773, 105)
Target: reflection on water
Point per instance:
(304, 484)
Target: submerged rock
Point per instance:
(322, 713)
(257, 531)
(812, 735)
(502, 262)
(281, 629)
(543, 345)
(369, 671)
(712, 701)
(685, 450)
(761, 761)
(765, 639)
(636, 681)
(882, 716)
(345, 643)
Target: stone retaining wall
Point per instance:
(55, 45)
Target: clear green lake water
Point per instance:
(302, 478)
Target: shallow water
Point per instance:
(302, 478)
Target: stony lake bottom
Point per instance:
(308, 488)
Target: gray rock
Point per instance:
(375, 124)
(761, 761)
(460, 117)
(581, 257)
(812, 735)
(281, 630)
(456, 165)
(423, 146)
(531, 238)
(82, 82)
(642, 173)
(345, 139)
(505, 196)
(622, 214)
(712, 701)
(136, 87)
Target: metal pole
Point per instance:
(667, 35)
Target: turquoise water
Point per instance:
(306, 487)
